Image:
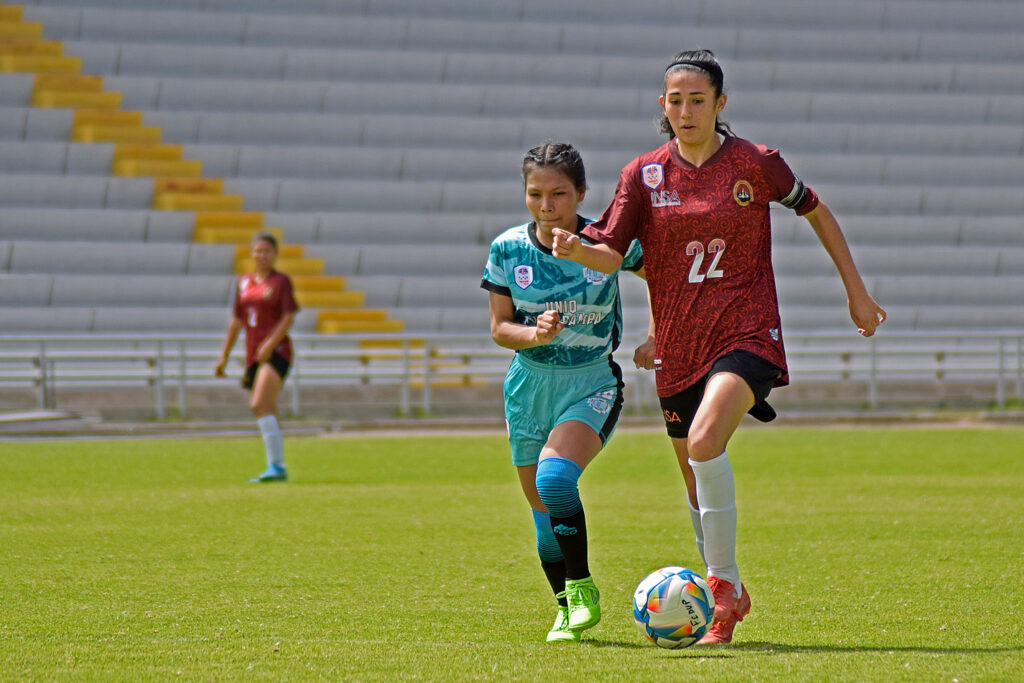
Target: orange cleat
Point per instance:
(728, 611)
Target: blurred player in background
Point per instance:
(563, 391)
(699, 207)
(266, 308)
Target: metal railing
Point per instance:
(415, 365)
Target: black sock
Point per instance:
(571, 534)
(555, 571)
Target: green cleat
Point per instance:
(584, 607)
(560, 632)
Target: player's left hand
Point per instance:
(643, 356)
(866, 314)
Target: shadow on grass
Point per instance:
(682, 653)
(785, 648)
(729, 651)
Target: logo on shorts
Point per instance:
(598, 405)
(563, 530)
(742, 192)
(523, 276)
(672, 416)
(774, 332)
(653, 175)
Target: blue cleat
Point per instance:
(272, 473)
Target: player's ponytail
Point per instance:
(697, 61)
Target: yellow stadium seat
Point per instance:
(130, 168)
(224, 234)
(190, 185)
(70, 99)
(30, 30)
(40, 64)
(372, 343)
(288, 251)
(230, 219)
(14, 46)
(300, 266)
(311, 299)
(333, 326)
(147, 135)
(106, 117)
(319, 283)
(10, 12)
(194, 201)
(149, 152)
(47, 82)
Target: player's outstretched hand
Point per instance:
(219, 370)
(549, 324)
(643, 357)
(566, 245)
(866, 314)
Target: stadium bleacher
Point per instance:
(383, 138)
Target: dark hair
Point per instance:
(560, 155)
(697, 61)
(265, 237)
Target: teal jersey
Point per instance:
(587, 300)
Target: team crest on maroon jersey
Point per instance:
(653, 175)
(523, 275)
(742, 192)
(268, 292)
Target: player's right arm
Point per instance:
(570, 247)
(234, 327)
(508, 333)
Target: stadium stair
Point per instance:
(178, 184)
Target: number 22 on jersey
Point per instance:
(716, 248)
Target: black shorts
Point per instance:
(758, 373)
(280, 364)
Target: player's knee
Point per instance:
(261, 408)
(703, 443)
(557, 486)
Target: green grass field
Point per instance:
(869, 555)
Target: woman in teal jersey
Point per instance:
(563, 391)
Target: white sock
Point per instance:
(698, 529)
(273, 440)
(716, 497)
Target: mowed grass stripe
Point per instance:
(869, 554)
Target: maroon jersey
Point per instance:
(706, 236)
(260, 306)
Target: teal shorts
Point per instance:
(538, 397)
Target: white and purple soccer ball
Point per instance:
(673, 607)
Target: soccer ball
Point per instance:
(673, 607)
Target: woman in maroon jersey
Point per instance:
(266, 308)
(699, 206)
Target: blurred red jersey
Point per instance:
(706, 236)
(260, 306)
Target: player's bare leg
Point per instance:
(263, 403)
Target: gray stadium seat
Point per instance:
(46, 319)
(951, 290)
(100, 258)
(25, 290)
(446, 260)
(142, 290)
(15, 89)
